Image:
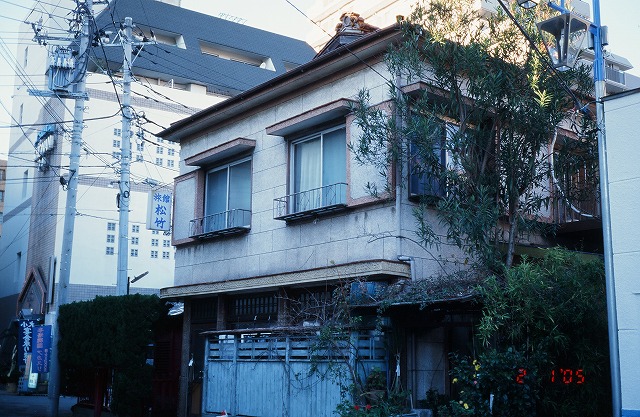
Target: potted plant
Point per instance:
(375, 388)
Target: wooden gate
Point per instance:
(270, 376)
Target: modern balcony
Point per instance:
(311, 203)
(221, 224)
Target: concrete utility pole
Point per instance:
(127, 42)
(70, 211)
(125, 162)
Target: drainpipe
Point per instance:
(400, 162)
(412, 265)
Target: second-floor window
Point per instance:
(228, 196)
(426, 177)
(319, 169)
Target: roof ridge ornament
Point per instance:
(352, 22)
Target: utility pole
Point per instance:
(127, 41)
(125, 159)
(61, 87)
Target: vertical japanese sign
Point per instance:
(41, 349)
(159, 211)
(25, 337)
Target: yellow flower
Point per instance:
(454, 380)
(466, 406)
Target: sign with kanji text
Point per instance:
(25, 337)
(41, 349)
(159, 210)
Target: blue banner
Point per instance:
(41, 349)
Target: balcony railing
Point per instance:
(615, 75)
(566, 212)
(310, 203)
(220, 224)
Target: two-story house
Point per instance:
(272, 213)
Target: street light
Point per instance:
(136, 278)
(527, 4)
(596, 31)
(563, 37)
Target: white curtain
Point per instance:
(308, 174)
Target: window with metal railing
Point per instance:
(318, 175)
(227, 201)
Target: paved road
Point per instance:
(13, 405)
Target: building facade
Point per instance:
(271, 217)
(623, 183)
(272, 211)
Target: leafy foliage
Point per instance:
(544, 315)
(110, 333)
(491, 106)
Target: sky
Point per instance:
(286, 17)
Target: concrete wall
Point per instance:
(274, 246)
(623, 154)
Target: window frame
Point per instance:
(437, 189)
(329, 196)
(232, 219)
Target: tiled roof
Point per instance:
(190, 65)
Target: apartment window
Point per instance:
(171, 152)
(17, 275)
(109, 250)
(159, 161)
(3, 175)
(154, 254)
(135, 228)
(117, 132)
(111, 238)
(165, 255)
(154, 242)
(159, 150)
(140, 146)
(134, 253)
(21, 114)
(1, 195)
(228, 197)
(170, 163)
(111, 226)
(26, 57)
(134, 240)
(319, 172)
(25, 181)
(166, 243)
(116, 154)
(139, 158)
(155, 232)
(116, 143)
